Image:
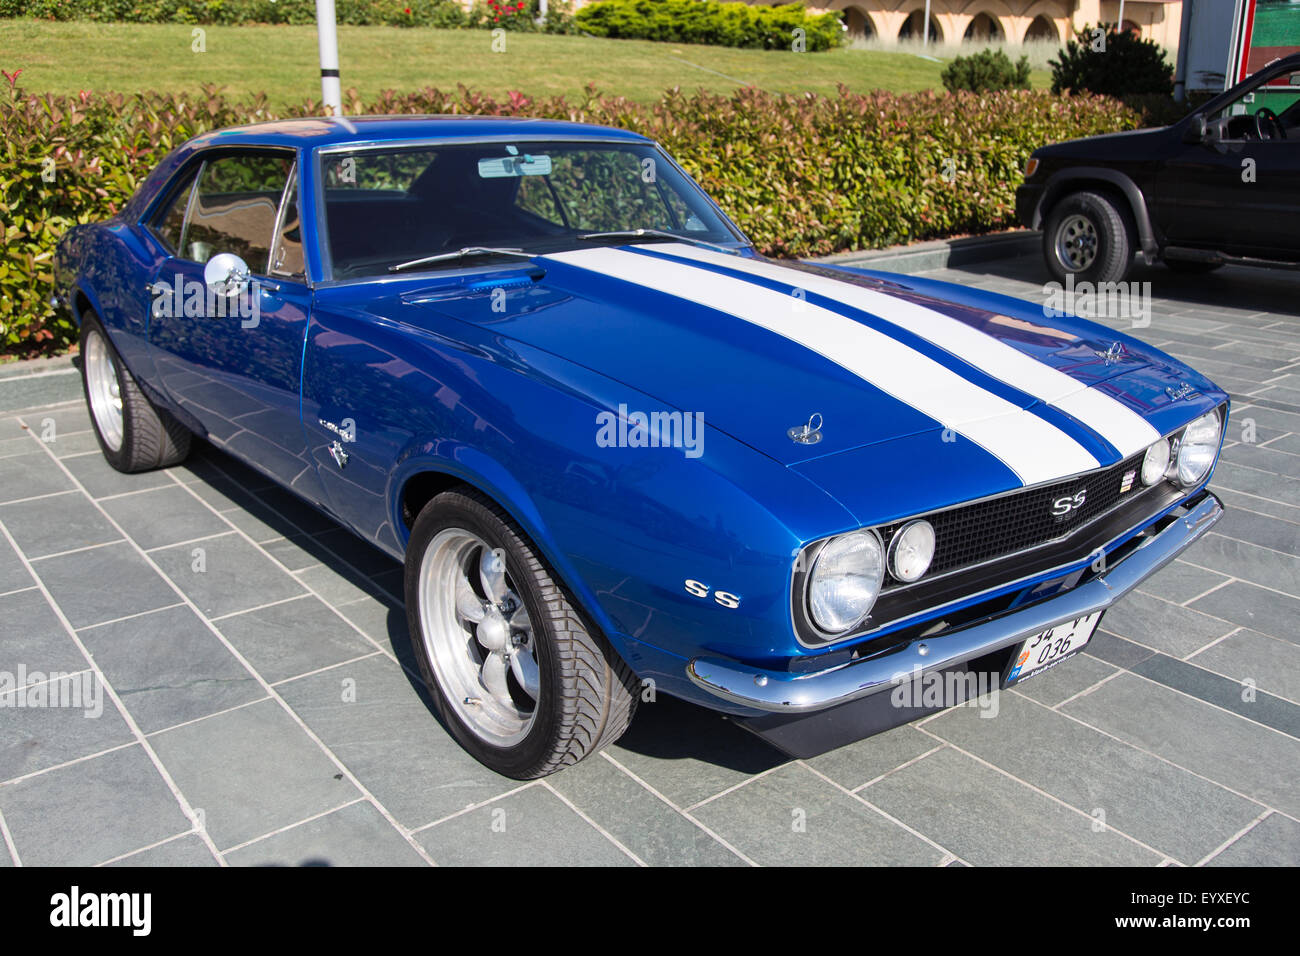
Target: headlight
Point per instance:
(1156, 462)
(1198, 448)
(845, 580)
(911, 550)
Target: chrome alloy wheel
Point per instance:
(1076, 243)
(479, 638)
(103, 390)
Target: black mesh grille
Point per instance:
(972, 534)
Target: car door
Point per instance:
(1236, 191)
(231, 357)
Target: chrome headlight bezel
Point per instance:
(817, 557)
(1156, 469)
(912, 528)
(1193, 439)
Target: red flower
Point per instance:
(408, 11)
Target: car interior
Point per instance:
(1271, 111)
(442, 201)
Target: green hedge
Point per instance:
(707, 21)
(448, 14)
(801, 174)
(437, 13)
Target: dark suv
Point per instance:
(1221, 185)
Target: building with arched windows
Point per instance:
(952, 21)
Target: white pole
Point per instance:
(327, 32)
(541, 11)
(1119, 27)
(926, 41)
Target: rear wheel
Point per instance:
(134, 434)
(1090, 236)
(520, 679)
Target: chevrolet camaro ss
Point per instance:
(619, 452)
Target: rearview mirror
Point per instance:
(1196, 130)
(226, 274)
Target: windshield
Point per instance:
(384, 208)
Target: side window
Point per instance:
(286, 258)
(168, 224)
(236, 206)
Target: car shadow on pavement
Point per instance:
(1236, 287)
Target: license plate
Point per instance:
(1049, 647)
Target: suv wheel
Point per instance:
(1089, 236)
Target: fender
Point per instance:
(1056, 186)
(476, 469)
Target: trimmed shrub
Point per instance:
(707, 21)
(801, 174)
(1102, 60)
(985, 71)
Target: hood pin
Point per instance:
(809, 434)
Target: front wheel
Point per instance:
(521, 681)
(1088, 235)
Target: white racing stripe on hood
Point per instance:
(1034, 449)
(1124, 428)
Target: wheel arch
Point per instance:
(431, 468)
(1103, 180)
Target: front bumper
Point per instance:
(781, 692)
(1028, 197)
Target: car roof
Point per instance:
(316, 131)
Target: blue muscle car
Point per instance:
(619, 452)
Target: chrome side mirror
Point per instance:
(1196, 130)
(226, 274)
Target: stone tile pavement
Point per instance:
(258, 706)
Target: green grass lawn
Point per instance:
(282, 60)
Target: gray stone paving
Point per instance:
(258, 712)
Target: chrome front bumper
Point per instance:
(786, 693)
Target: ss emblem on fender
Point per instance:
(1063, 506)
(724, 598)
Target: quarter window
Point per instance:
(286, 259)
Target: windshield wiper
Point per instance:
(656, 234)
(468, 252)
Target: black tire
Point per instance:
(1108, 231)
(1192, 267)
(588, 695)
(151, 436)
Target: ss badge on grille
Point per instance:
(1064, 507)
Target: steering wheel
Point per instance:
(1264, 114)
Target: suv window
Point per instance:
(235, 208)
(1280, 95)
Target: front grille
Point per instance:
(973, 534)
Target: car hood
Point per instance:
(761, 347)
(1104, 144)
